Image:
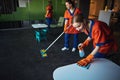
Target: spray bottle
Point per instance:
(81, 52)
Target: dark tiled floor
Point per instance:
(20, 57)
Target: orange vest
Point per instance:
(68, 16)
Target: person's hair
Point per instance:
(79, 18)
(50, 2)
(70, 2)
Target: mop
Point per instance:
(43, 51)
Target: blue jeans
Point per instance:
(66, 40)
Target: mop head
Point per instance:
(43, 53)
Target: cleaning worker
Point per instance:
(49, 13)
(101, 36)
(68, 28)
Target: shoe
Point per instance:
(64, 49)
(73, 49)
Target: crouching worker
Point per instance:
(101, 36)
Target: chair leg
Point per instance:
(44, 34)
(37, 35)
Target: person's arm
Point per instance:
(66, 25)
(95, 50)
(89, 58)
(84, 44)
(66, 22)
(48, 8)
(47, 13)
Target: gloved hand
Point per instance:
(86, 60)
(84, 44)
(80, 46)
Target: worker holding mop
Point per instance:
(68, 28)
(99, 33)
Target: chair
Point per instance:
(40, 31)
(41, 34)
(60, 23)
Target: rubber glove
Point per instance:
(84, 44)
(86, 60)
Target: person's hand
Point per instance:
(66, 28)
(84, 44)
(86, 60)
(80, 46)
(78, 29)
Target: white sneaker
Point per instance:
(73, 49)
(64, 48)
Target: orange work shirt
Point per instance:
(50, 12)
(69, 16)
(102, 36)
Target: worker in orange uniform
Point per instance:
(100, 34)
(49, 13)
(68, 28)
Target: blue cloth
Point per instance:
(66, 40)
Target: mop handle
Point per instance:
(57, 38)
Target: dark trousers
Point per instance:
(66, 40)
(48, 22)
